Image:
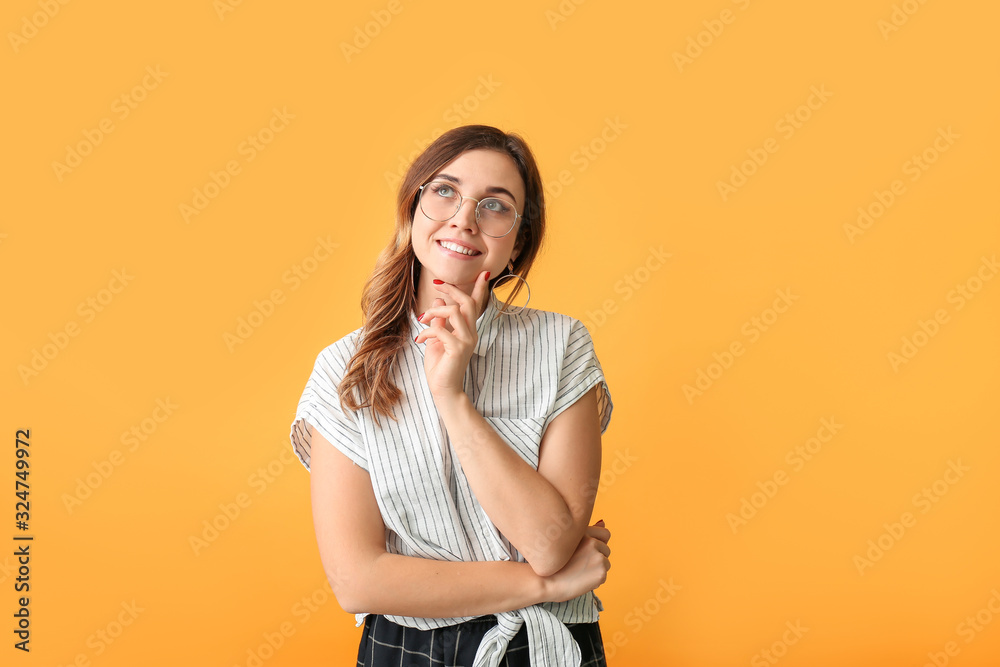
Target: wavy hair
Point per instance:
(389, 294)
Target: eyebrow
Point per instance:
(491, 190)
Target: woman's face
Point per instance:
(477, 174)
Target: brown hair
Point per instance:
(385, 306)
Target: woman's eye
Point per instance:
(444, 191)
(495, 206)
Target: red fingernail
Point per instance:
(487, 275)
(415, 338)
(601, 521)
(438, 282)
(420, 316)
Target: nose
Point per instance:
(466, 216)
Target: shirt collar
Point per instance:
(487, 326)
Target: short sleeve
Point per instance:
(579, 371)
(320, 407)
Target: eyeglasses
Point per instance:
(440, 201)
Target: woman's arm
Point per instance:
(350, 535)
(544, 513)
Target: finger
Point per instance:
(444, 313)
(481, 291)
(602, 534)
(434, 320)
(437, 303)
(438, 310)
(454, 314)
(465, 302)
(428, 317)
(439, 334)
(451, 290)
(602, 547)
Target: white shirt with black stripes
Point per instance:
(526, 369)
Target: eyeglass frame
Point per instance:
(461, 201)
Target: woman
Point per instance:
(455, 441)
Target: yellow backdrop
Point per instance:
(778, 220)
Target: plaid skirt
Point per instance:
(386, 643)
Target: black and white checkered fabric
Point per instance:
(385, 643)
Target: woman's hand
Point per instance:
(447, 355)
(587, 568)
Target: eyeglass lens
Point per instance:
(441, 201)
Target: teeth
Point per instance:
(457, 248)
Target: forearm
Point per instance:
(412, 586)
(523, 505)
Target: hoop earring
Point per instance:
(500, 304)
(413, 280)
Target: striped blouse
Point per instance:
(526, 369)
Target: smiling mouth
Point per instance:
(454, 247)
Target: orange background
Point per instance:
(633, 142)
